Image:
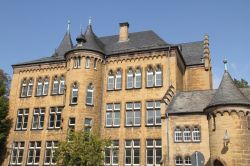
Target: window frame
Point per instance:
(45, 86)
(61, 86)
(57, 111)
(55, 86)
(133, 110)
(178, 162)
(35, 149)
(52, 148)
(90, 91)
(132, 147)
(155, 108)
(130, 79)
(187, 135)
(112, 111)
(111, 81)
(24, 119)
(153, 147)
(150, 72)
(178, 136)
(118, 76)
(87, 64)
(138, 73)
(19, 149)
(40, 114)
(158, 72)
(30, 87)
(196, 133)
(75, 89)
(112, 149)
(88, 126)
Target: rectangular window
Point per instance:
(55, 117)
(72, 123)
(118, 80)
(88, 124)
(133, 114)
(61, 86)
(22, 119)
(112, 154)
(39, 88)
(132, 152)
(24, 89)
(38, 118)
(158, 78)
(153, 113)
(55, 86)
(110, 82)
(34, 153)
(153, 152)
(196, 134)
(46, 86)
(186, 134)
(137, 80)
(30, 88)
(90, 97)
(95, 63)
(178, 135)
(16, 156)
(74, 94)
(113, 115)
(50, 148)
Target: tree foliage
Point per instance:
(4, 105)
(83, 149)
(241, 83)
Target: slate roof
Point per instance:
(228, 93)
(197, 101)
(138, 41)
(109, 45)
(192, 52)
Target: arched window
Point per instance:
(74, 94)
(30, 87)
(77, 62)
(177, 135)
(196, 134)
(24, 88)
(39, 87)
(178, 161)
(87, 65)
(137, 81)
(118, 80)
(61, 85)
(158, 76)
(186, 134)
(55, 86)
(45, 86)
(150, 77)
(110, 81)
(187, 160)
(90, 95)
(129, 79)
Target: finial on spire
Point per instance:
(225, 64)
(68, 28)
(90, 20)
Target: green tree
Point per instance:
(241, 83)
(4, 105)
(83, 149)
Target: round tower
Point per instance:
(84, 78)
(229, 125)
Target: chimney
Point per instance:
(123, 35)
(206, 52)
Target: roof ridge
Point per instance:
(129, 33)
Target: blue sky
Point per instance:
(33, 29)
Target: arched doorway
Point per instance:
(218, 163)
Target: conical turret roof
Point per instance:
(92, 41)
(65, 45)
(228, 93)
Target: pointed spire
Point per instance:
(68, 28)
(225, 64)
(90, 20)
(228, 93)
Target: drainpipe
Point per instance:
(167, 121)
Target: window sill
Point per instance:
(110, 90)
(132, 126)
(133, 88)
(54, 128)
(73, 104)
(150, 87)
(20, 130)
(153, 125)
(36, 129)
(56, 94)
(40, 95)
(112, 126)
(90, 105)
(23, 97)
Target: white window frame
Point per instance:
(187, 137)
(24, 114)
(178, 137)
(18, 147)
(130, 79)
(55, 112)
(133, 109)
(118, 80)
(150, 72)
(178, 161)
(154, 107)
(153, 147)
(88, 126)
(158, 72)
(24, 88)
(74, 94)
(77, 63)
(87, 65)
(40, 113)
(90, 91)
(111, 81)
(132, 147)
(61, 86)
(137, 78)
(39, 88)
(34, 148)
(55, 86)
(187, 160)
(196, 134)
(112, 109)
(95, 63)
(45, 86)
(112, 149)
(52, 148)
(30, 88)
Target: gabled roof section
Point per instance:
(65, 45)
(138, 41)
(192, 52)
(228, 93)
